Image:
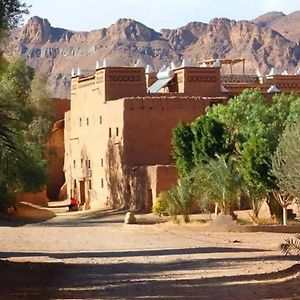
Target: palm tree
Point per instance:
(182, 198)
(291, 246)
(220, 182)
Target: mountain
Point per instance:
(55, 51)
(287, 25)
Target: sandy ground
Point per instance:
(96, 256)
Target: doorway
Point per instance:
(149, 202)
(82, 192)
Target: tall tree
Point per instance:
(182, 140)
(11, 13)
(209, 139)
(27, 114)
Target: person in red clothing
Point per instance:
(74, 204)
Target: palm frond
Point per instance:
(291, 245)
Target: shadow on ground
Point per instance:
(136, 253)
(138, 280)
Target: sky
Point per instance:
(83, 15)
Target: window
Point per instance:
(89, 164)
(90, 184)
(102, 183)
(109, 132)
(100, 120)
(74, 164)
(87, 121)
(117, 131)
(80, 122)
(81, 163)
(101, 162)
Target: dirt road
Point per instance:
(96, 256)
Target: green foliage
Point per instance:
(220, 182)
(160, 207)
(11, 12)
(26, 114)
(286, 162)
(182, 199)
(247, 131)
(208, 139)
(182, 140)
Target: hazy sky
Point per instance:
(158, 14)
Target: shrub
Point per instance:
(160, 206)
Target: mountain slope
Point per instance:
(287, 25)
(55, 51)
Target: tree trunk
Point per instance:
(216, 208)
(284, 216)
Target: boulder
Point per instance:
(130, 218)
(223, 223)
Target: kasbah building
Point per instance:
(117, 133)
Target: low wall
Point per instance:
(269, 228)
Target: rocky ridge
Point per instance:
(55, 51)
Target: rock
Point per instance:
(223, 223)
(130, 218)
(264, 212)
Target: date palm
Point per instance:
(291, 246)
(220, 182)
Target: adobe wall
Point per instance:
(91, 125)
(285, 83)
(60, 107)
(38, 198)
(161, 179)
(55, 152)
(149, 122)
(195, 81)
(124, 82)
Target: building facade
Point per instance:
(118, 150)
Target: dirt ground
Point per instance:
(96, 256)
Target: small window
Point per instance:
(90, 184)
(109, 132)
(102, 162)
(75, 185)
(102, 183)
(74, 164)
(87, 121)
(100, 120)
(89, 164)
(80, 122)
(117, 131)
(81, 163)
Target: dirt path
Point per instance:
(96, 256)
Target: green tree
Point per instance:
(208, 140)
(11, 13)
(286, 161)
(28, 117)
(285, 167)
(182, 141)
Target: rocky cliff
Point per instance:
(55, 51)
(287, 25)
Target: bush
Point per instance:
(160, 206)
(178, 200)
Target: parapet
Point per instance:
(114, 82)
(196, 81)
(285, 83)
